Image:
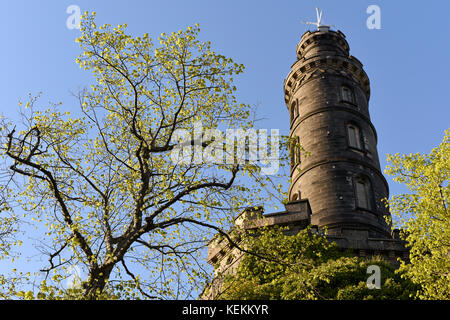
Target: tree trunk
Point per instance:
(96, 282)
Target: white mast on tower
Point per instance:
(318, 23)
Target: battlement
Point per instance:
(297, 215)
(304, 69)
(324, 40)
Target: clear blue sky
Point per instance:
(407, 60)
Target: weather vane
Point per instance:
(319, 24)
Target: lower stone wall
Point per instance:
(297, 217)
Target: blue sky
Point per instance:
(406, 60)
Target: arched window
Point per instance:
(298, 150)
(294, 109)
(354, 136)
(347, 94)
(294, 151)
(292, 154)
(367, 147)
(363, 192)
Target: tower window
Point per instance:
(294, 151)
(367, 147)
(347, 94)
(298, 150)
(294, 109)
(292, 154)
(354, 136)
(292, 112)
(363, 192)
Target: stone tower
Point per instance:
(327, 94)
(336, 181)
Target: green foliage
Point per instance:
(307, 266)
(51, 292)
(102, 181)
(424, 217)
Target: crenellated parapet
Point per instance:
(316, 59)
(222, 254)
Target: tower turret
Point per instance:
(327, 94)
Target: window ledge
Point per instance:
(361, 151)
(366, 210)
(349, 103)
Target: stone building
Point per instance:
(339, 184)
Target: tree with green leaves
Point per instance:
(104, 182)
(307, 266)
(424, 217)
(8, 231)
